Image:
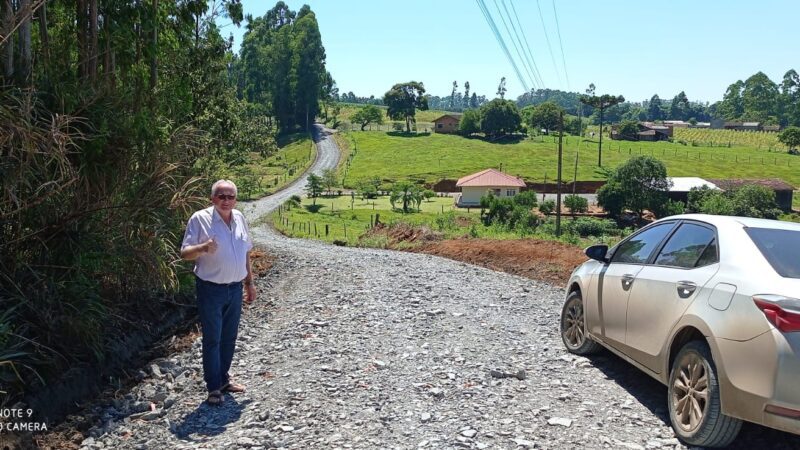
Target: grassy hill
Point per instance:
(429, 158)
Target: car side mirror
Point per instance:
(597, 252)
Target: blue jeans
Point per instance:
(220, 307)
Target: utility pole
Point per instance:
(558, 180)
(575, 177)
(600, 147)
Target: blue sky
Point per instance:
(622, 46)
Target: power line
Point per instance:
(500, 13)
(523, 56)
(561, 44)
(489, 20)
(528, 47)
(547, 38)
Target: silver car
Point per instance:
(709, 306)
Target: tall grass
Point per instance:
(90, 224)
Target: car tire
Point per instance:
(573, 327)
(693, 399)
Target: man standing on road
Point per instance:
(218, 241)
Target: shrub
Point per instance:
(526, 198)
(446, 221)
(576, 203)
(547, 207)
(428, 194)
(590, 226)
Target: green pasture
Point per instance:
(429, 158)
(705, 136)
(424, 118)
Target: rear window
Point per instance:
(780, 247)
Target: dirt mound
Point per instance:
(548, 261)
(403, 233)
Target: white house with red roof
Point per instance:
(475, 186)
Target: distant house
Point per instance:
(679, 191)
(743, 126)
(475, 186)
(648, 131)
(783, 190)
(700, 125)
(676, 123)
(771, 128)
(447, 123)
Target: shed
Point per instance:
(447, 123)
(476, 185)
(783, 191)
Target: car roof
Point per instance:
(745, 222)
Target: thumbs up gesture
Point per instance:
(210, 245)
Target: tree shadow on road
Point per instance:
(653, 395)
(209, 420)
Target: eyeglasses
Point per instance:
(226, 197)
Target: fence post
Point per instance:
(345, 231)
(326, 229)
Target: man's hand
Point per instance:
(250, 293)
(210, 246)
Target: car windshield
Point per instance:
(780, 247)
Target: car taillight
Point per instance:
(783, 312)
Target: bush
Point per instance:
(670, 208)
(526, 198)
(590, 226)
(446, 221)
(576, 203)
(428, 194)
(547, 207)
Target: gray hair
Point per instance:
(215, 187)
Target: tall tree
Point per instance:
(466, 95)
(654, 111)
(403, 100)
(453, 96)
(545, 116)
(501, 88)
(790, 99)
(732, 107)
(679, 107)
(7, 47)
(601, 103)
(760, 97)
(500, 117)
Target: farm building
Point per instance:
(648, 131)
(447, 123)
(475, 186)
(679, 190)
(743, 126)
(783, 190)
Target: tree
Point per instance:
(638, 184)
(407, 193)
(473, 101)
(314, 187)
(403, 100)
(790, 99)
(329, 180)
(367, 115)
(453, 96)
(601, 103)
(732, 107)
(755, 201)
(466, 95)
(500, 117)
(546, 116)
(470, 122)
(679, 107)
(759, 97)
(576, 204)
(654, 111)
(790, 137)
(501, 88)
(629, 130)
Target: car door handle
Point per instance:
(686, 289)
(627, 281)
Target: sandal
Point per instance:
(232, 387)
(215, 398)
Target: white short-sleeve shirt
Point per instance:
(229, 263)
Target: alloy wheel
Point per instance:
(690, 392)
(573, 327)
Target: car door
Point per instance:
(665, 288)
(616, 279)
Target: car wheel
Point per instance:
(573, 327)
(694, 401)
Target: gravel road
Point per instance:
(365, 349)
